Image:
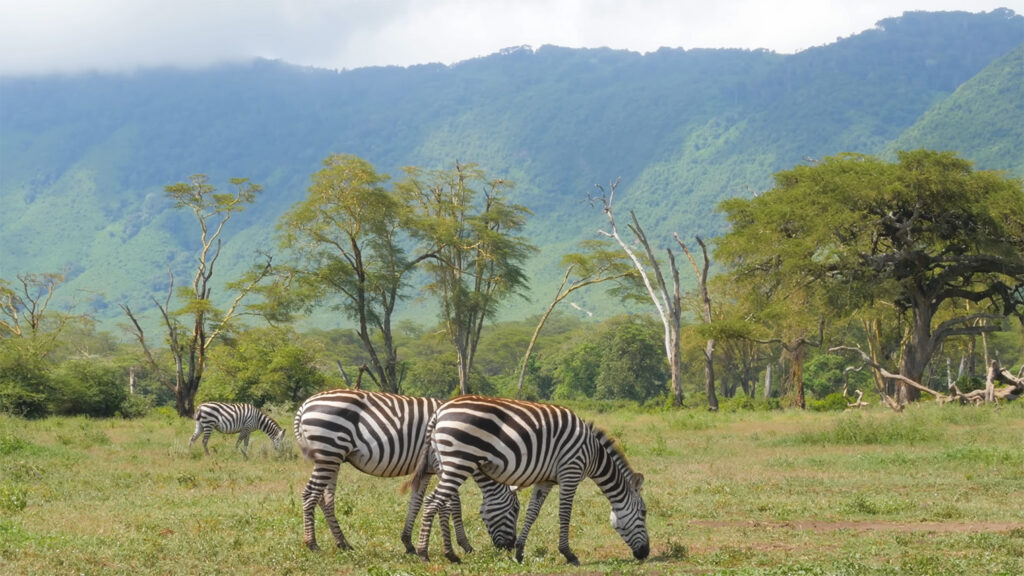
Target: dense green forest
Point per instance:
(98, 193)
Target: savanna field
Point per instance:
(937, 490)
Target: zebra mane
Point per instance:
(611, 446)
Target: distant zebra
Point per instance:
(524, 443)
(382, 435)
(241, 419)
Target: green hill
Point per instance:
(984, 116)
(83, 159)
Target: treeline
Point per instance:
(852, 275)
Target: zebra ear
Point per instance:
(638, 481)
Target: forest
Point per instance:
(853, 281)
(691, 228)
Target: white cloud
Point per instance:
(44, 36)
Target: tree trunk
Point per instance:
(796, 372)
(709, 374)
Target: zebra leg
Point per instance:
(436, 502)
(324, 474)
(199, 430)
(415, 503)
(540, 492)
(455, 508)
(566, 494)
(444, 514)
(206, 438)
(243, 439)
(327, 504)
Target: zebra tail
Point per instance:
(300, 438)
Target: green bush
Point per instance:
(23, 381)
(136, 406)
(88, 387)
(833, 402)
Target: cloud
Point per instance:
(47, 36)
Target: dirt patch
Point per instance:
(871, 525)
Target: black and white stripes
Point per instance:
(382, 435)
(521, 444)
(241, 419)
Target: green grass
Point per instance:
(934, 491)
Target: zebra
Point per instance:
(383, 435)
(231, 419)
(524, 443)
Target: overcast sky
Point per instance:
(44, 36)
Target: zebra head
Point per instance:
(629, 517)
(277, 438)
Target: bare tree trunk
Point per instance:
(666, 303)
(705, 299)
(768, 381)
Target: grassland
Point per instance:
(933, 491)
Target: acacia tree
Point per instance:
(25, 310)
(347, 240)
(194, 327)
(921, 233)
(467, 222)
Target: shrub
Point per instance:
(23, 382)
(833, 402)
(88, 387)
(136, 406)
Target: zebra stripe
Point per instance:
(523, 443)
(241, 419)
(382, 435)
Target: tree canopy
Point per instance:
(921, 234)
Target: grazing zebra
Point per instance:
(382, 435)
(524, 443)
(239, 419)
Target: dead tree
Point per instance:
(1013, 391)
(666, 301)
(705, 299)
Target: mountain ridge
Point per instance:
(84, 159)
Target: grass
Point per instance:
(934, 491)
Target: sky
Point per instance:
(74, 36)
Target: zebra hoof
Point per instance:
(519, 553)
(453, 558)
(466, 546)
(423, 555)
(312, 545)
(345, 546)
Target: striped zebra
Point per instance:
(241, 419)
(382, 435)
(523, 443)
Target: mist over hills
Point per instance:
(84, 159)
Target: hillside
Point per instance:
(83, 159)
(984, 115)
